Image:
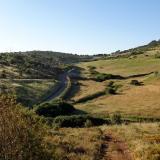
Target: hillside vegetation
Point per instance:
(141, 100)
(32, 76)
(103, 107)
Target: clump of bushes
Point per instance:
(92, 70)
(116, 118)
(100, 77)
(111, 88)
(157, 55)
(78, 121)
(137, 52)
(21, 136)
(54, 108)
(135, 82)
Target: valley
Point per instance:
(92, 107)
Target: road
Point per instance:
(59, 88)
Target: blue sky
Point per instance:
(78, 26)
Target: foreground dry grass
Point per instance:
(142, 139)
(76, 143)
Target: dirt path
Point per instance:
(114, 149)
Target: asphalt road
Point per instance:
(59, 88)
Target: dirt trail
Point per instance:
(114, 149)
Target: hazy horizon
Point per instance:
(81, 27)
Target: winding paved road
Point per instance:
(59, 88)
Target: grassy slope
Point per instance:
(29, 92)
(42, 65)
(131, 100)
(86, 88)
(125, 66)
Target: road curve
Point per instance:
(59, 88)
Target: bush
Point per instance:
(116, 118)
(157, 55)
(100, 77)
(135, 82)
(88, 123)
(54, 108)
(78, 121)
(21, 137)
(111, 88)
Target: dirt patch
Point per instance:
(114, 149)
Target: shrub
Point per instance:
(100, 77)
(116, 118)
(135, 82)
(21, 137)
(54, 108)
(78, 121)
(111, 88)
(91, 67)
(157, 55)
(88, 123)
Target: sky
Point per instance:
(78, 26)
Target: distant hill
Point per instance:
(153, 45)
(36, 64)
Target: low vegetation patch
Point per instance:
(135, 82)
(111, 88)
(21, 136)
(90, 97)
(54, 108)
(79, 121)
(100, 77)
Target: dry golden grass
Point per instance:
(142, 139)
(88, 87)
(124, 66)
(76, 143)
(141, 100)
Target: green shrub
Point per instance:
(54, 108)
(116, 118)
(111, 88)
(157, 55)
(21, 135)
(78, 121)
(100, 77)
(135, 82)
